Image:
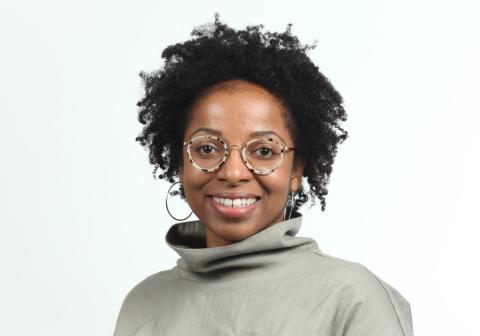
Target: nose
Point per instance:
(234, 171)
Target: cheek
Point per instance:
(276, 184)
(193, 181)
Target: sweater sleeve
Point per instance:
(377, 309)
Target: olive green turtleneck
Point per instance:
(271, 283)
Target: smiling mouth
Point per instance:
(235, 202)
(234, 208)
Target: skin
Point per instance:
(236, 108)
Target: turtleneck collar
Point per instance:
(267, 248)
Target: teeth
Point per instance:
(235, 203)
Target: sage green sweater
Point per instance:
(272, 283)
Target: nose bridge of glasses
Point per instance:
(240, 150)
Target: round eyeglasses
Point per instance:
(261, 155)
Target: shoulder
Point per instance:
(371, 305)
(350, 274)
(148, 285)
(133, 308)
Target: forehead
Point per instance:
(237, 109)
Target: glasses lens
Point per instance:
(264, 154)
(207, 152)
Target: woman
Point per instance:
(239, 117)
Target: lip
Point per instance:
(229, 212)
(234, 195)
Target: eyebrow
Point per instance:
(252, 134)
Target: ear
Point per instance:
(297, 172)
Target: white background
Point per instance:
(83, 221)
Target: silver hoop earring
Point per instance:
(289, 203)
(166, 203)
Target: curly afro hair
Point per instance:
(276, 61)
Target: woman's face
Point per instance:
(234, 114)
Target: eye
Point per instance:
(206, 148)
(263, 151)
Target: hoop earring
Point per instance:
(166, 203)
(289, 203)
